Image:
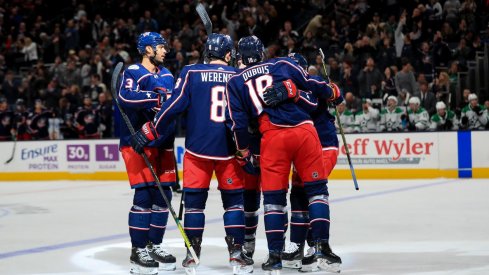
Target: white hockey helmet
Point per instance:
(472, 97)
(414, 100)
(440, 105)
(392, 98)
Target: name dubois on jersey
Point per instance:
(215, 77)
(255, 71)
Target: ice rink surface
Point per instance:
(425, 227)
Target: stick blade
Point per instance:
(204, 17)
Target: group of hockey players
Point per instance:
(395, 118)
(249, 125)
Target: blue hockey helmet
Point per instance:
(251, 49)
(152, 39)
(299, 59)
(218, 45)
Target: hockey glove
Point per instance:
(280, 92)
(163, 95)
(339, 98)
(142, 137)
(248, 162)
(336, 94)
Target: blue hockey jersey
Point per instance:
(245, 96)
(200, 92)
(139, 101)
(324, 123)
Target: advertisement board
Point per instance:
(383, 155)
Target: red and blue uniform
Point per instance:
(200, 93)
(288, 136)
(140, 101)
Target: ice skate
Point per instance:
(320, 257)
(167, 262)
(292, 256)
(249, 248)
(327, 260)
(273, 265)
(241, 263)
(142, 263)
(309, 263)
(189, 262)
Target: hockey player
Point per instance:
(419, 119)
(7, 121)
(367, 119)
(199, 92)
(145, 86)
(474, 115)
(347, 118)
(390, 117)
(288, 137)
(443, 120)
(293, 256)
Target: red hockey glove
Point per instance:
(142, 137)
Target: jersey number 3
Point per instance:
(218, 104)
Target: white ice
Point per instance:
(422, 227)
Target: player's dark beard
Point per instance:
(153, 60)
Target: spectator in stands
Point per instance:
(6, 120)
(21, 118)
(474, 116)
(348, 81)
(367, 119)
(369, 80)
(405, 79)
(39, 121)
(428, 99)
(442, 88)
(104, 111)
(10, 88)
(147, 23)
(418, 118)
(388, 85)
(443, 120)
(98, 25)
(353, 103)
(29, 49)
(87, 120)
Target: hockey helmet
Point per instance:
(251, 49)
(152, 39)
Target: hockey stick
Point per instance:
(205, 18)
(13, 150)
(115, 76)
(341, 129)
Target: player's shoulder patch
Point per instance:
(384, 111)
(399, 110)
(465, 109)
(435, 118)
(133, 67)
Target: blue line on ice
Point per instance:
(215, 220)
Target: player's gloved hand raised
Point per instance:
(164, 95)
(339, 97)
(280, 92)
(142, 137)
(248, 162)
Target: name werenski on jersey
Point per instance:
(255, 71)
(215, 77)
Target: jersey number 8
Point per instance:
(218, 103)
